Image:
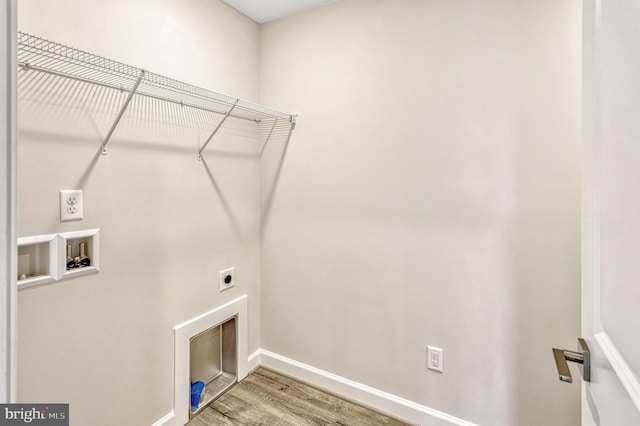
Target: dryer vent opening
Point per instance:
(213, 360)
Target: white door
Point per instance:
(611, 211)
(8, 384)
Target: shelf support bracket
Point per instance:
(121, 113)
(264, 145)
(216, 129)
(293, 122)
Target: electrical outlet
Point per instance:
(434, 358)
(70, 204)
(227, 278)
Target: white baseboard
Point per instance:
(357, 392)
(166, 420)
(254, 361)
(354, 391)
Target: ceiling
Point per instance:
(263, 11)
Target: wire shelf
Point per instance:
(42, 55)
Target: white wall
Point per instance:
(169, 223)
(430, 195)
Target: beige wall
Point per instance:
(430, 195)
(104, 343)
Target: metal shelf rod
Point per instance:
(121, 113)
(266, 141)
(292, 126)
(216, 129)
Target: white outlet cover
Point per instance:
(71, 207)
(434, 358)
(224, 274)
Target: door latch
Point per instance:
(582, 357)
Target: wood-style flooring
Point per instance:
(268, 398)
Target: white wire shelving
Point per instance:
(36, 54)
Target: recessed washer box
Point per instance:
(44, 259)
(91, 240)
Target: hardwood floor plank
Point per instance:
(316, 406)
(329, 405)
(245, 407)
(209, 417)
(265, 391)
(266, 398)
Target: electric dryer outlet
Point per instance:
(227, 278)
